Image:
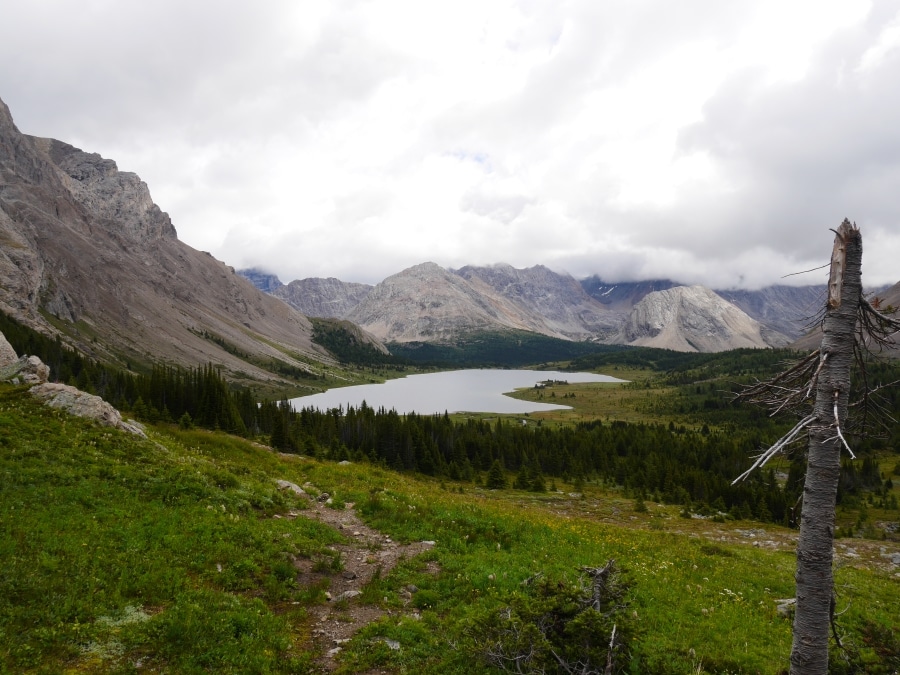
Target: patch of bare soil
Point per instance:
(368, 551)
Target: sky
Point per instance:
(704, 141)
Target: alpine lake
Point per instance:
(475, 391)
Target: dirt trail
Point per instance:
(367, 551)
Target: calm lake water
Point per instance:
(454, 391)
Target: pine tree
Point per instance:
(495, 478)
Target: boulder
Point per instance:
(8, 355)
(288, 485)
(27, 370)
(76, 402)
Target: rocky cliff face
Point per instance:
(428, 303)
(562, 305)
(786, 309)
(625, 295)
(325, 298)
(694, 319)
(83, 242)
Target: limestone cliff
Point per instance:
(694, 319)
(83, 244)
(325, 298)
(560, 304)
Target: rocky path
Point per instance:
(368, 550)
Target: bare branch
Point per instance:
(821, 267)
(776, 448)
(788, 390)
(815, 377)
(610, 662)
(837, 426)
(878, 328)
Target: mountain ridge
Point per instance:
(88, 256)
(428, 303)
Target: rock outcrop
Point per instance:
(31, 370)
(324, 298)
(26, 370)
(76, 402)
(694, 319)
(84, 242)
(8, 355)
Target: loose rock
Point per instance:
(288, 485)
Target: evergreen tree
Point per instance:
(495, 478)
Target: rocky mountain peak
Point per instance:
(263, 280)
(6, 119)
(694, 319)
(84, 242)
(323, 298)
(120, 198)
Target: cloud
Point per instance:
(708, 142)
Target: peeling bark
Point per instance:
(812, 619)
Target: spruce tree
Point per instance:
(495, 478)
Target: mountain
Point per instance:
(325, 298)
(694, 319)
(430, 304)
(622, 296)
(264, 281)
(427, 303)
(787, 309)
(88, 256)
(564, 307)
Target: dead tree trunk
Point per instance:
(812, 620)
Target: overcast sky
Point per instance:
(706, 141)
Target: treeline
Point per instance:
(650, 461)
(495, 349)
(343, 340)
(685, 367)
(193, 396)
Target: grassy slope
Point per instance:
(117, 553)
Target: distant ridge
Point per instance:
(427, 303)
